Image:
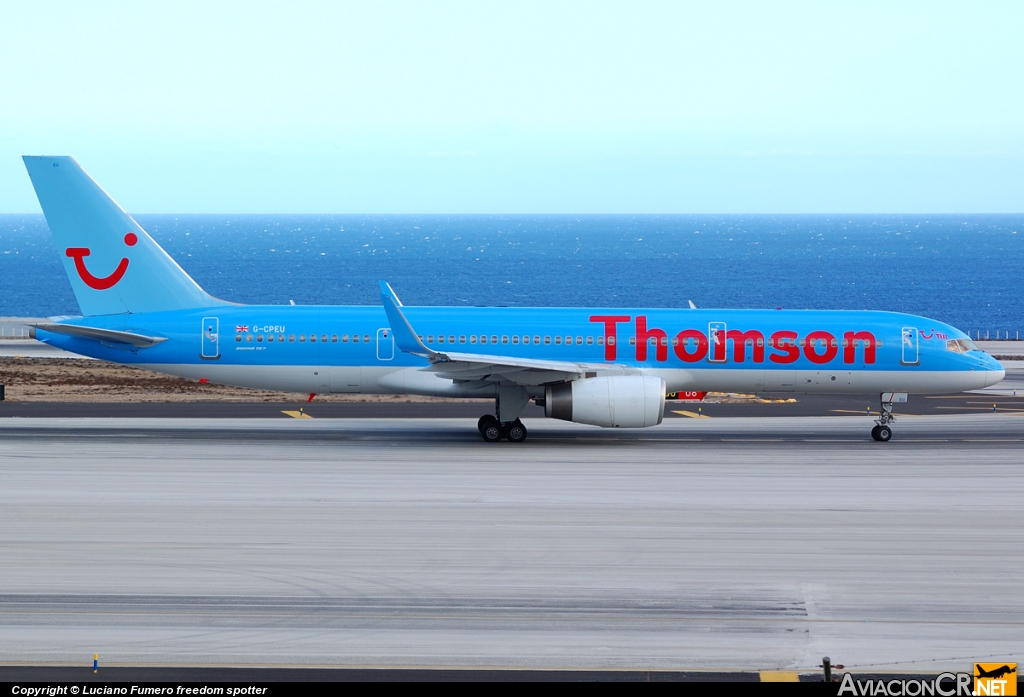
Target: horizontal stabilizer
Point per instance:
(131, 338)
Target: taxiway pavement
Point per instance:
(745, 543)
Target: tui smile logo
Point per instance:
(95, 282)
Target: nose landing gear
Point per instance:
(883, 432)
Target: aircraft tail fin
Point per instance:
(114, 266)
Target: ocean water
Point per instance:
(966, 270)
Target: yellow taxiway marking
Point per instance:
(297, 414)
(691, 414)
(779, 676)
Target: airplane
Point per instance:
(995, 673)
(609, 367)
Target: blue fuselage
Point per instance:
(756, 350)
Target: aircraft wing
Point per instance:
(522, 371)
(474, 366)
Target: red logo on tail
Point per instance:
(80, 253)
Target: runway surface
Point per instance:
(702, 544)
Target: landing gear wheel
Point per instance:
(492, 431)
(485, 420)
(515, 431)
(883, 432)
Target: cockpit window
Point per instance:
(961, 345)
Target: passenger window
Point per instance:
(334, 338)
(312, 338)
(451, 338)
(558, 341)
(600, 341)
(494, 339)
(440, 338)
(270, 338)
(430, 338)
(590, 340)
(515, 338)
(291, 338)
(526, 339)
(536, 339)
(259, 337)
(248, 338)
(504, 339)
(355, 338)
(653, 341)
(547, 340)
(632, 341)
(483, 338)
(472, 339)
(675, 341)
(344, 338)
(366, 338)
(462, 338)
(238, 337)
(280, 337)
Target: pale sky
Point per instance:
(548, 107)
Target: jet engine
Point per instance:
(617, 401)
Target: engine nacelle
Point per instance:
(617, 401)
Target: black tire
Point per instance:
(515, 431)
(492, 432)
(884, 433)
(874, 433)
(484, 421)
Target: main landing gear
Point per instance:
(883, 432)
(493, 430)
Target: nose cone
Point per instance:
(994, 371)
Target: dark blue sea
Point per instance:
(966, 270)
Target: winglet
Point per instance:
(405, 335)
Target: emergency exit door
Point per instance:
(716, 342)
